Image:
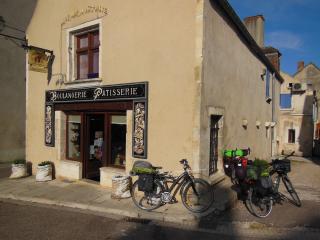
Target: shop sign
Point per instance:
(38, 60)
(101, 93)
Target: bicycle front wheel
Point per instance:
(260, 206)
(294, 196)
(197, 196)
(146, 200)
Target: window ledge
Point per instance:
(83, 82)
(286, 109)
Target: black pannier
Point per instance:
(264, 185)
(145, 182)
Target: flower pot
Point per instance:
(18, 171)
(44, 173)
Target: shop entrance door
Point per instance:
(105, 142)
(95, 153)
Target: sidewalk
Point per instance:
(92, 197)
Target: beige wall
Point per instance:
(12, 80)
(143, 40)
(232, 82)
(299, 117)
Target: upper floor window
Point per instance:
(268, 97)
(285, 101)
(291, 135)
(87, 55)
(84, 52)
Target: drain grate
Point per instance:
(137, 220)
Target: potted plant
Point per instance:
(18, 169)
(44, 171)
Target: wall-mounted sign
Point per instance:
(137, 92)
(38, 60)
(101, 93)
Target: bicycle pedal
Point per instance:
(173, 200)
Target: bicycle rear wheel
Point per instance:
(260, 206)
(146, 200)
(197, 196)
(294, 196)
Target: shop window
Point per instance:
(118, 140)
(87, 55)
(73, 137)
(285, 101)
(291, 136)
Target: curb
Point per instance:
(251, 229)
(153, 216)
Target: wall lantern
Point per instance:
(263, 74)
(267, 124)
(272, 124)
(258, 124)
(244, 123)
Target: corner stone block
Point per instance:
(70, 170)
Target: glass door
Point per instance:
(95, 153)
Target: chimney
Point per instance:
(255, 26)
(273, 55)
(300, 65)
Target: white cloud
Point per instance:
(284, 40)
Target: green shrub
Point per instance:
(19, 161)
(44, 163)
(262, 166)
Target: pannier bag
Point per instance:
(252, 172)
(145, 182)
(142, 167)
(265, 185)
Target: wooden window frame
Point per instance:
(89, 50)
(291, 135)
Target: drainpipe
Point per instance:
(273, 111)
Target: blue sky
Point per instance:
(292, 26)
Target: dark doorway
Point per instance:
(214, 133)
(95, 145)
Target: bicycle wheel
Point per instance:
(197, 196)
(260, 206)
(294, 196)
(146, 200)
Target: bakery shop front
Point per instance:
(94, 127)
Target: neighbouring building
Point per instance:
(309, 75)
(296, 119)
(153, 80)
(14, 15)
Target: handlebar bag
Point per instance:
(146, 182)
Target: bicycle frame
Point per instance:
(176, 182)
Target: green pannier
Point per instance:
(259, 168)
(236, 153)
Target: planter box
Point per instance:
(44, 173)
(18, 171)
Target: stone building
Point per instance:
(310, 75)
(296, 119)
(14, 15)
(154, 80)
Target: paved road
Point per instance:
(22, 221)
